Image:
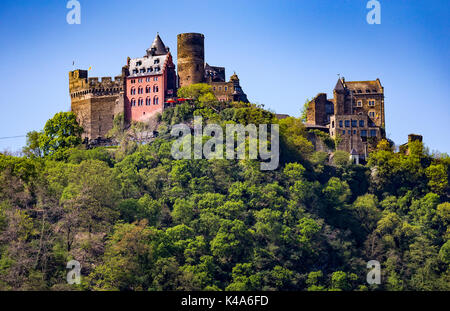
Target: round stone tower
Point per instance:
(191, 58)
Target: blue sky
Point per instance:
(283, 51)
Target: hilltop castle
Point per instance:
(354, 117)
(147, 85)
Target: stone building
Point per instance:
(193, 69)
(146, 86)
(354, 117)
(95, 102)
(141, 91)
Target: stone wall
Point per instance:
(95, 102)
(190, 58)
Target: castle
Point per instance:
(147, 85)
(354, 117)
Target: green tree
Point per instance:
(60, 132)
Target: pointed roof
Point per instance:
(158, 46)
(340, 85)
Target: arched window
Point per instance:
(141, 90)
(140, 102)
(147, 89)
(155, 89)
(148, 101)
(133, 102)
(133, 91)
(155, 100)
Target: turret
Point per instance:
(191, 58)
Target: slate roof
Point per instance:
(158, 46)
(153, 62)
(147, 65)
(360, 87)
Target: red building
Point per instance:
(149, 82)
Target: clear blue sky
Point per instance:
(283, 51)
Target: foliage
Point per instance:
(137, 219)
(60, 132)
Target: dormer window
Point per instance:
(156, 61)
(359, 91)
(367, 91)
(142, 70)
(157, 68)
(149, 69)
(135, 71)
(138, 63)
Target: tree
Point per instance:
(32, 148)
(304, 111)
(60, 132)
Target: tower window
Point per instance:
(372, 114)
(340, 123)
(373, 133)
(361, 123)
(371, 103)
(347, 123)
(354, 123)
(359, 103)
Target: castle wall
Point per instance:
(94, 102)
(319, 110)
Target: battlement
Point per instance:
(81, 85)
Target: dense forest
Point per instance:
(136, 219)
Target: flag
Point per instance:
(90, 68)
